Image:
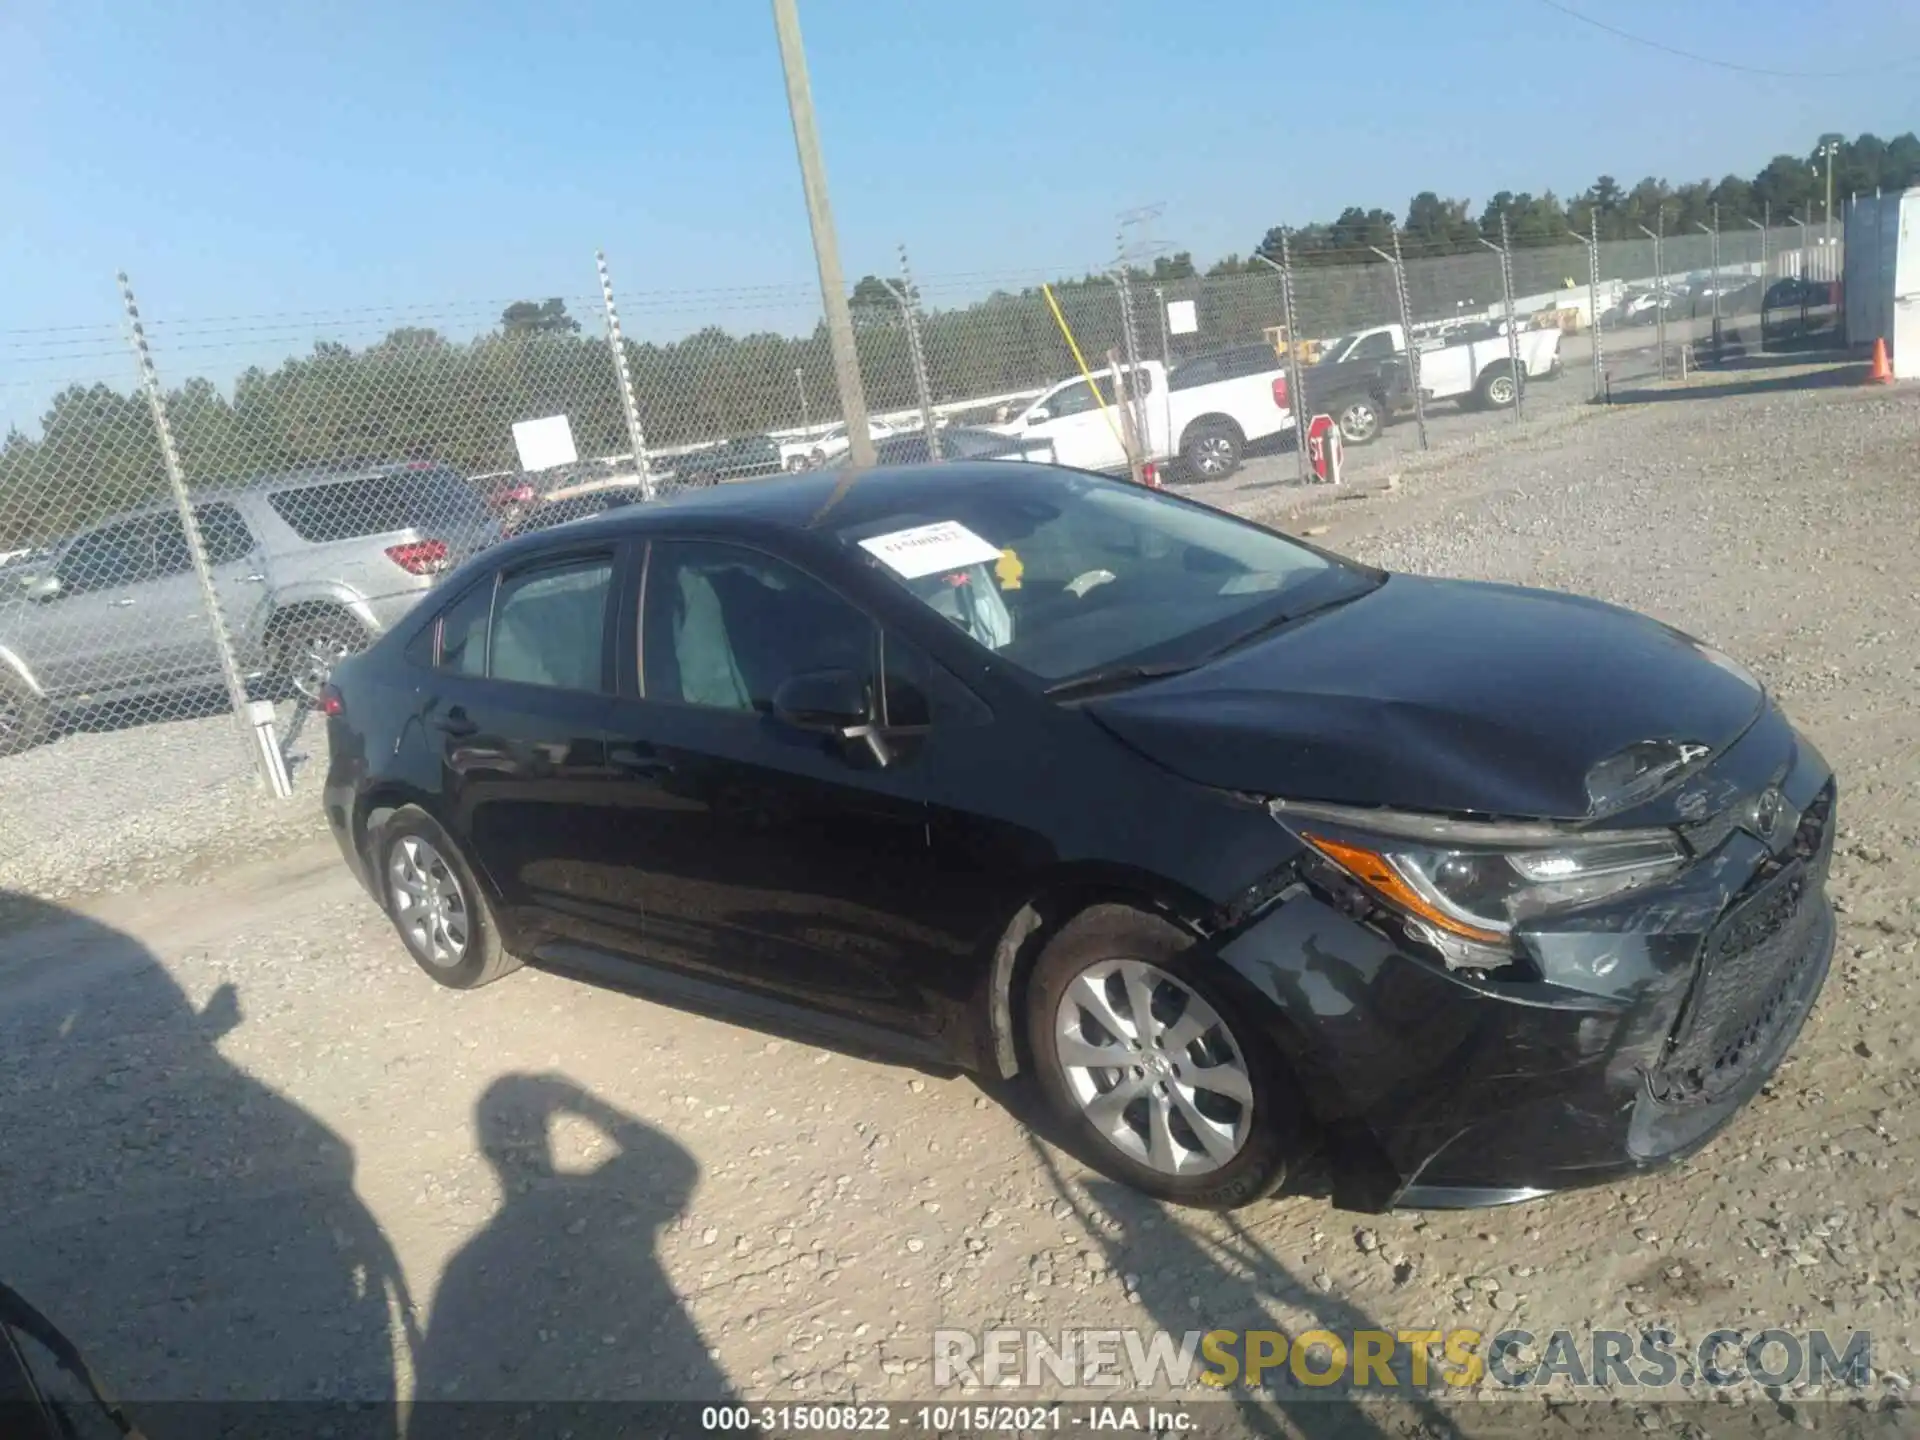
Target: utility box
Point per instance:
(1882, 276)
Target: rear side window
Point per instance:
(463, 632)
(377, 505)
(550, 626)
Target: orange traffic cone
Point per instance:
(1882, 373)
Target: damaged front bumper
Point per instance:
(1652, 1022)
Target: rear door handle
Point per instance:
(456, 723)
(123, 602)
(253, 579)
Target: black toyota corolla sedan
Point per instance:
(1232, 846)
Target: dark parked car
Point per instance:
(958, 442)
(743, 458)
(1232, 844)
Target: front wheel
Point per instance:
(1137, 1057)
(1359, 420)
(1211, 451)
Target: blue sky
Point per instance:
(247, 158)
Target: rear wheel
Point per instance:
(1211, 450)
(25, 717)
(310, 645)
(431, 896)
(1154, 1067)
(1359, 419)
(1497, 389)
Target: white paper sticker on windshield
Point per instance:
(930, 549)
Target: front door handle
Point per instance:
(253, 579)
(456, 723)
(128, 600)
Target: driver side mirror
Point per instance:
(830, 702)
(44, 588)
(1036, 417)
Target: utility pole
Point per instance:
(1828, 150)
(826, 246)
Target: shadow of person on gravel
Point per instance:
(1188, 1282)
(193, 1231)
(561, 1301)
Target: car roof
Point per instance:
(795, 502)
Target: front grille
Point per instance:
(1754, 967)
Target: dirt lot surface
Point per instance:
(249, 1151)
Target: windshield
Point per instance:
(1064, 574)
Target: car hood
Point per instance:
(1440, 695)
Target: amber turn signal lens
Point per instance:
(1376, 872)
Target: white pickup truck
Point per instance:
(1204, 413)
(1362, 379)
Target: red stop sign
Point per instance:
(1324, 449)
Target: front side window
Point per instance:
(725, 626)
(1064, 574)
(223, 532)
(112, 555)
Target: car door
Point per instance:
(790, 862)
(238, 563)
(90, 637)
(514, 704)
(1082, 433)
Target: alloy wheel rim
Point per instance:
(13, 719)
(318, 656)
(428, 904)
(1501, 391)
(1215, 452)
(1357, 421)
(1153, 1068)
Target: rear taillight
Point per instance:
(1280, 395)
(331, 702)
(420, 557)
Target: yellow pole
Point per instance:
(1081, 361)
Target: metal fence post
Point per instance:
(1659, 291)
(1406, 331)
(254, 726)
(1296, 402)
(909, 312)
(635, 435)
(1593, 300)
(1763, 280)
(1505, 251)
(1713, 253)
(1132, 393)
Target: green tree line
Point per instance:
(417, 394)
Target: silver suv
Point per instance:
(307, 569)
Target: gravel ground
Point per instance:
(250, 1152)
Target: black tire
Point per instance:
(1211, 449)
(1497, 388)
(300, 645)
(25, 717)
(1360, 418)
(1106, 933)
(481, 959)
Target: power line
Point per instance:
(1733, 65)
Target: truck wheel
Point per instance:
(1497, 389)
(24, 716)
(1211, 450)
(1359, 420)
(310, 645)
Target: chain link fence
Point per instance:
(207, 513)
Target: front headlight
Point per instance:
(1464, 887)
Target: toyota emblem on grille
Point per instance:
(1770, 817)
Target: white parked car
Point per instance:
(810, 452)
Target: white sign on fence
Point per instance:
(544, 444)
(1183, 317)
